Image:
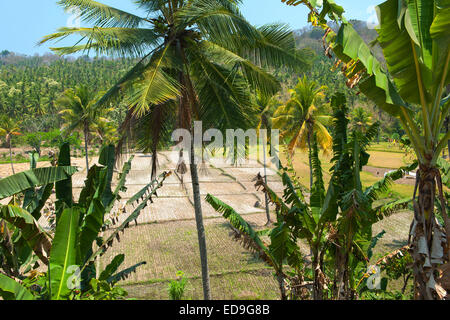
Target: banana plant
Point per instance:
(77, 240)
(415, 39)
(336, 223)
(23, 242)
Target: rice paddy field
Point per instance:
(166, 237)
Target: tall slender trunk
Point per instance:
(265, 178)
(448, 141)
(187, 103)
(10, 157)
(86, 139)
(311, 181)
(200, 226)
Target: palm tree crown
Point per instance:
(198, 60)
(80, 112)
(8, 129)
(361, 119)
(303, 116)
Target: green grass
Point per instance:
(379, 159)
(384, 159)
(387, 147)
(24, 160)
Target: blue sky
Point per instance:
(25, 22)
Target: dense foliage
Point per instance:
(30, 86)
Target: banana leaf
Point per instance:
(63, 188)
(12, 290)
(63, 255)
(32, 233)
(112, 267)
(23, 181)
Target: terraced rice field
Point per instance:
(166, 236)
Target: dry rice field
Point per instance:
(166, 237)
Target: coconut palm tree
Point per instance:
(303, 117)
(266, 105)
(361, 119)
(414, 36)
(198, 60)
(106, 131)
(8, 129)
(80, 112)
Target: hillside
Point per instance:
(29, 85)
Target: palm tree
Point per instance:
(106, 131)
(80, 112)
(8, 129)
(414, 38)
(265, 105)
(361, 119)
(198, 60)
(303, 119)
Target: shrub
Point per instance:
(177, 287)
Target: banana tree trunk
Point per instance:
(318, 280)
(200, 226)
(428, 239)
(282, 287)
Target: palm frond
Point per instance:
(258, 78)
(116, 42)
(126, 81)
(274, 48)
(225, 101)
(155, 87)
(154, 129)
(293, 195)
(102, 15)
(213, 17)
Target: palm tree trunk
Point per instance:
(310, 163)
(265, 178)
(86, 139)
(200, 226)
(10, 157)
(448, 141)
